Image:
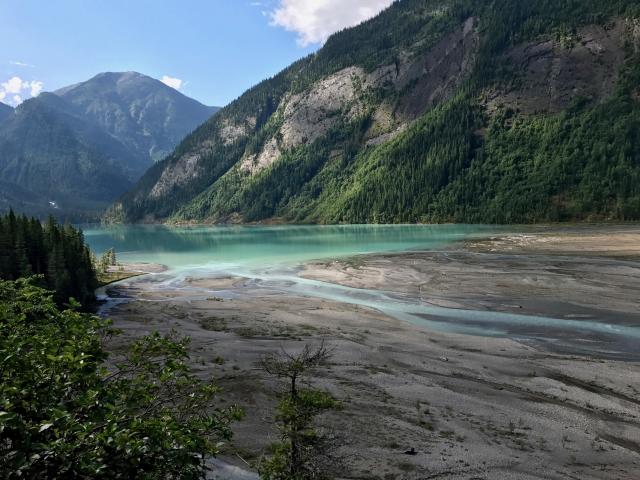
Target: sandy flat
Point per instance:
(139, 268)
(610, 241)
(473, 407)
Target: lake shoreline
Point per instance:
(575, 274)
(469, 405)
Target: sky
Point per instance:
(211, 50)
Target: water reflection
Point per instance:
(179, 247)
(268, 255)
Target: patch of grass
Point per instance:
(354, 262)
(214, 324)
(406, 466)
(248, 332)
(112, 277)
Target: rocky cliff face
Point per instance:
(423, 81)
(319, 129)
(553, 73)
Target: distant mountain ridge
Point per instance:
(434, 111)
(5, 111)
(73, 151)
(141, 112)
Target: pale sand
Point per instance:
(138, 268)
(474, 408)
(610, 241)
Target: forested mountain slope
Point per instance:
(5, 111)
(454, 110)
(73, 152)
(145, 115)
(47, 149)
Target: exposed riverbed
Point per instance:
(271, 258)
(496, 354)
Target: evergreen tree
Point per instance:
(112, 257)
(58, 253)
(304, 453)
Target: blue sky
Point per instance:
(212, 50)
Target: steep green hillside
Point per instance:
(458, 110)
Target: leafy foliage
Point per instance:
(56, 252)
(65, 412)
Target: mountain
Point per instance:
(434, 111)
(74, 151)
(145, 115)
(5, 111)
(48, 149)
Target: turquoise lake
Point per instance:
(269, 257)
(266, 246)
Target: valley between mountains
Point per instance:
(412, 254)
(72, 152)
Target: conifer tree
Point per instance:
(56, 252)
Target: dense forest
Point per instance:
(581, 164)
(458, 160)
(56, 253)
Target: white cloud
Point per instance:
(315, 20)
(20, 64)
(172, 82)
(35, 86)
(13, 85)
(15, 90)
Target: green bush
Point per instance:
(68, 411)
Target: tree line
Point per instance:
(56, 253)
